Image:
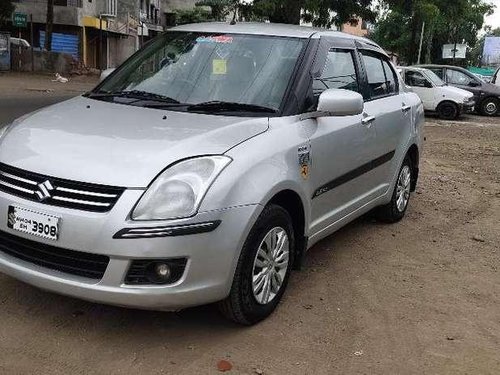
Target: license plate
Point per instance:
(34, 223)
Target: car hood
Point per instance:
(97, 142)
(490, 89)
(456, 92)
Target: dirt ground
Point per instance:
(418, 297)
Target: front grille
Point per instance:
(58, 192)
(77, 263)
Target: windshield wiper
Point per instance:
(220, 106)
(133, 94)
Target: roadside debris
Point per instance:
(359, 353)
(478, 238)
(224, 365)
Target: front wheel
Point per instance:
(448, 111)
(263, 269)
(395, 210)
(490, 107)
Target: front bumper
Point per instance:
(212, 256)
(468, 107)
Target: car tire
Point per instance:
(448, 111)
(245, 305)
(395, 210)
(490, 107)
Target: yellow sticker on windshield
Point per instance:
(219, 66)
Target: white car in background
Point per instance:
(448, 102)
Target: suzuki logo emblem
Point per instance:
(44, 190)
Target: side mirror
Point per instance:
(106, 73)
(337, 102)
(474, 84)
(428, 85)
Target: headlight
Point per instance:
(179, 190)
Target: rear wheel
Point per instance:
(395, 210)
(263, 269)
(490, 107)
(448, 111)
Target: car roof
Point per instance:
(270, 29)
(418, 68)
(440, 66)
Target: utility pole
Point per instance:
(50, 25)
(31, 42)
(421, 41)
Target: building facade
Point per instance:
(98, 33)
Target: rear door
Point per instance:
(390, 115)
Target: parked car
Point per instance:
(19, 43)
(448, 101)
(495, 79)
(206, 178)
(486, 95)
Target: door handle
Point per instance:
(406, 108)
(368, 120)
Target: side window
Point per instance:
(415, 79)
(381, 77)
(438, 72)
(456, 77)
(390, 77)
(339, 73)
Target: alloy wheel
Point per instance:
(270, 265)
(403, 188)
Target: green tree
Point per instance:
(446, 22)
(220, 9)
(6, 9)
(319, 12)
(195, 15)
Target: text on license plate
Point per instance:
(35, 223)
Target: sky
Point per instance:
(494, 20)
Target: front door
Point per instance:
(423, 88)
(338, 148)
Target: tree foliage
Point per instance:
(446, 22)
(6, 9)
(195, 15)
(319, 12)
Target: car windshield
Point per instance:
(206, 71)
(433, 77)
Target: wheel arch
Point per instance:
(291, 201)
(414, 155)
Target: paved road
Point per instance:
(14, 107)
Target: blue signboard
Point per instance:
(4, 51)
(491, 51)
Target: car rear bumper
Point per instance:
(207, 277)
